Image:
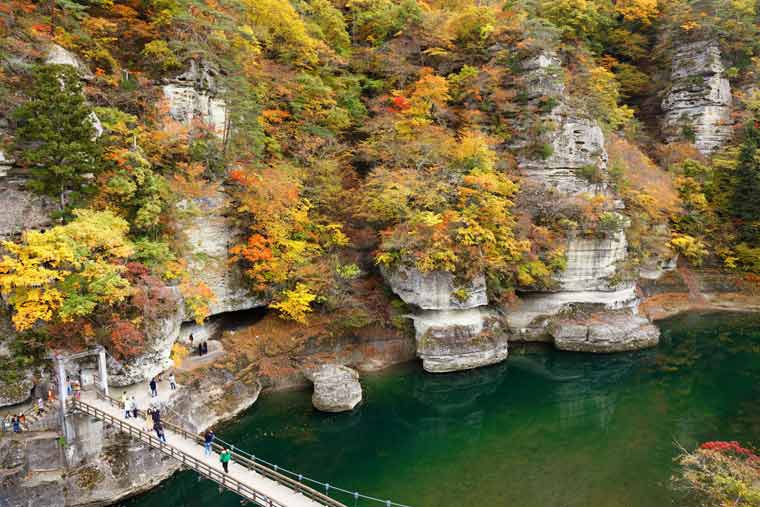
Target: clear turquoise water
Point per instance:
(545, 428)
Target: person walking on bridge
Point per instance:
(125, 405)
(208, 439)
(159, 431)
(153, 388)
(172, 381)
(133, 406)
(225, 458)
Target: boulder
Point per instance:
(608, 332)
(459, 339)
(436, 290)
(699, 99)
(56, 55)
(336, 388)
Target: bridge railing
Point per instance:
(239, 458)
(221, 478)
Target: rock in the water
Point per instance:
(436, 290)
(15, 392)
(210, 235)
(529, 317)
(459, 339)
(608, 332)
(195, 94)
(336, 388)
(698, 105)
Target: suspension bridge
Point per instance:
(253, 479)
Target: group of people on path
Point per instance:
(153, 419)
(202, 346)
(154, 384)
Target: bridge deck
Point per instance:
(271, 492)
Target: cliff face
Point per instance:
(589, 279)
(196, 96)
(698, 105)
(209, 235)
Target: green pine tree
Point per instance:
(745, 201)
(55, 138)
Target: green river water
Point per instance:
(543, 429)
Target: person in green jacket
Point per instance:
(225, 458)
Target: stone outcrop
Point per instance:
(606, 332)
(544, 76)
(698, 104)
(209, 236)
(160, 336)
(455, 329)
(592, 262)
(529, 317)
(574, 144)
(195, 95)
(589, 279)
(216, 397)
(436, 290)
(459, 340)
(56, 55)
(22, 210)
(336, 387)
(31, 470)
(14, 393)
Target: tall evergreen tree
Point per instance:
(745, 201)
(55, 138)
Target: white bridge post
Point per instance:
(60, 363)
(102, 370)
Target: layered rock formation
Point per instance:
(698, 105)
(195, 95)
(577, 142)
(592, 262)
(609, 332)
(455, 331)
(459, 340)
(589, 279)
(336, 388)
(436, 290)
